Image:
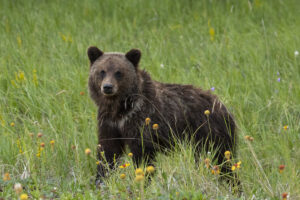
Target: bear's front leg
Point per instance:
(110, 148)
(141, 151)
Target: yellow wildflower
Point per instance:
(150, 169)
(130, 154)
(13, 83)
(66, 38)
(281, 168)
(87, 151)
(34, 77)
(23, 197)
(20, 76)
(19, 146)
(207, 112)
(6, 177)
(236, 166)
(42, 144)
(124, 165)
(40, 149)
(227, 155)
(257, 3)
(212, 33)
(286, 127)
(139, 178)
(233, 167)
(139, 171)
(155, 126)
(39, 135)
(284, 195)
(147, 121)
(123, 176)
(2, 122)
(52, 142)
(19, 41)
(207, 162)
(12, 124)
(98, 162)
(249, 138)
(215, 170)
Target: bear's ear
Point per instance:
(94, 53)
(134, 56)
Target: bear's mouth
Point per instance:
(108, 94)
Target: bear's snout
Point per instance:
(107, 89)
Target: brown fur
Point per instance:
(177, 109)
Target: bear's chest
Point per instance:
(132, 117)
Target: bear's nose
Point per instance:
(108, 88)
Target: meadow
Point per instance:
(245, 51)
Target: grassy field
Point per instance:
(245, 50)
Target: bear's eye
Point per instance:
(102, 74)
(118, 75)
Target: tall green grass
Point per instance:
(240, 48)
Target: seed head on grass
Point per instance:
(124, 165)
(18, 188)
(150, 169)
(42, 145)
(87, 151)
(23, 197)
(39, 135)
(281, 168)
(155, 127)
(81, 93)
(123, 176)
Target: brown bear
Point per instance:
(126, 96)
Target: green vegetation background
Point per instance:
(245, 49)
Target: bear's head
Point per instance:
(112, 75)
